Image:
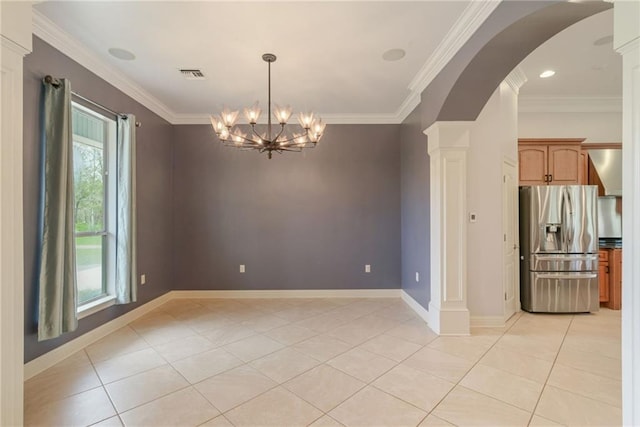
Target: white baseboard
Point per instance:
(415, 306)
(290, 293)
(58, 354)
(487, 321)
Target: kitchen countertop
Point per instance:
(610, 243)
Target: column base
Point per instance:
(449, 321)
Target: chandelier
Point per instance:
(276, 137)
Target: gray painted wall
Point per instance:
(308, 220)
(416, 212)
(154, 174)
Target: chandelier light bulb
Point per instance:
(305, 120)
(283, 114)
(281, 139)
(229, 117)
(252, 114)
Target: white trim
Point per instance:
(58, 354)
(467, 24)
(14, 47)
(332, 119)
(488, 321)
(516, 79)
(12, 53)
(569, 104)
(45, 29)
(290, 293)
(95, 306)
(407, 106)
(447, 144)
(630, 216)
(415, 306)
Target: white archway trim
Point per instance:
(448, 143)
(627, 43)
(16, 43)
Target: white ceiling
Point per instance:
(329, 53)
(583, 70)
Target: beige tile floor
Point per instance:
(333, 362)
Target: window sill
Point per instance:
(95, 306)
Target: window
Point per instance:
(94, 145)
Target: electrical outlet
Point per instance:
(417, 276)
(367, 268)
(143, 279)
(242, 270)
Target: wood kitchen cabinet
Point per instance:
(610, 278)
(551, 161)
(603, 275)
(615, 279)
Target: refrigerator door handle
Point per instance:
(568, 231)
(567, 275)
(561, 257)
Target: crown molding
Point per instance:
(330, 119)
(407, 106)
(45, 29)
(471, 19)
(569, 105)
(516, 79)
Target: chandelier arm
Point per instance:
(279, 133)
(252, 141)
(284, 141)
(253, 129)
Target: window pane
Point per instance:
(88, 176)
(89, 263)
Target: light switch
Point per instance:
(241, 268)
(367, 268)
(143, 279)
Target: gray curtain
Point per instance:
(57, 312)
(126, 268)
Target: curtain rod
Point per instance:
(52, 81)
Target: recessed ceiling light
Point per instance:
(122, 54)
(394, 54)
(603, 40)
(547, 73)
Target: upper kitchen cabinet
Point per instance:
(551, 161)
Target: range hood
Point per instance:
(608, 165)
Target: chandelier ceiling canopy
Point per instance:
(278, 137)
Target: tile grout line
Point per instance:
(533, 413)
(469, 370)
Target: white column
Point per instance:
(447, 145)
(627, 43)
(16, 42)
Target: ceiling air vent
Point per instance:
(192, 74)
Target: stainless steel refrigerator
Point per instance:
(559, 249)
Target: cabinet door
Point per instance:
(615, 290)
(533, 164)
(603, 280)
(564, 161)
(583, 171)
